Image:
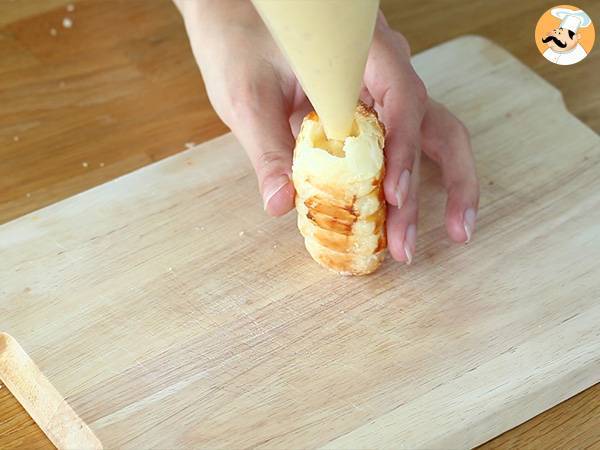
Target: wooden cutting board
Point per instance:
(169, 311)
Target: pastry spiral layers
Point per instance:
(339, 194)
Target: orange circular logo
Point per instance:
(565, 35)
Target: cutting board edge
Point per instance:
(482, 430)
(42, 401)
(585, 374)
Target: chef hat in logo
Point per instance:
(571, 20)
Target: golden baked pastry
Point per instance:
(339, 193)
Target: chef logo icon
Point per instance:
(564, 35)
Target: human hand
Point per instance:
(256, 94)
(414, 123)
(251, 87)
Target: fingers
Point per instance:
(402, 115)
(300, 108)
(265, 133)
(461, 184)
(400, 98)
(402, 222)
(401, 187)
(247, 92)
(446, 141)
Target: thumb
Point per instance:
(266, 136)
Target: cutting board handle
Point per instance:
(41, 400)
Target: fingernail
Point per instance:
(402, 188)
(273, 188)
(410, 240)
(469, 223)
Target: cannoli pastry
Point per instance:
(339, 193)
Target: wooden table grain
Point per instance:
(118, 89)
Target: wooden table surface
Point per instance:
(118, 89)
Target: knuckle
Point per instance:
(454, 140)
(270, 160)
(413, 197)
(402, 43)
(461, 131)
(242, 100)
(402, 156)
(392, 40)
(271, 163)
(420, 90)
(241, 96)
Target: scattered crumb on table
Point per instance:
(84, 164)
(28, 195)
(67, 22)
(16, 138)
(101, 164)
(241, 233)
(53, 32)
(70, 7)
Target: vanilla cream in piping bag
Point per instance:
(326, 43)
